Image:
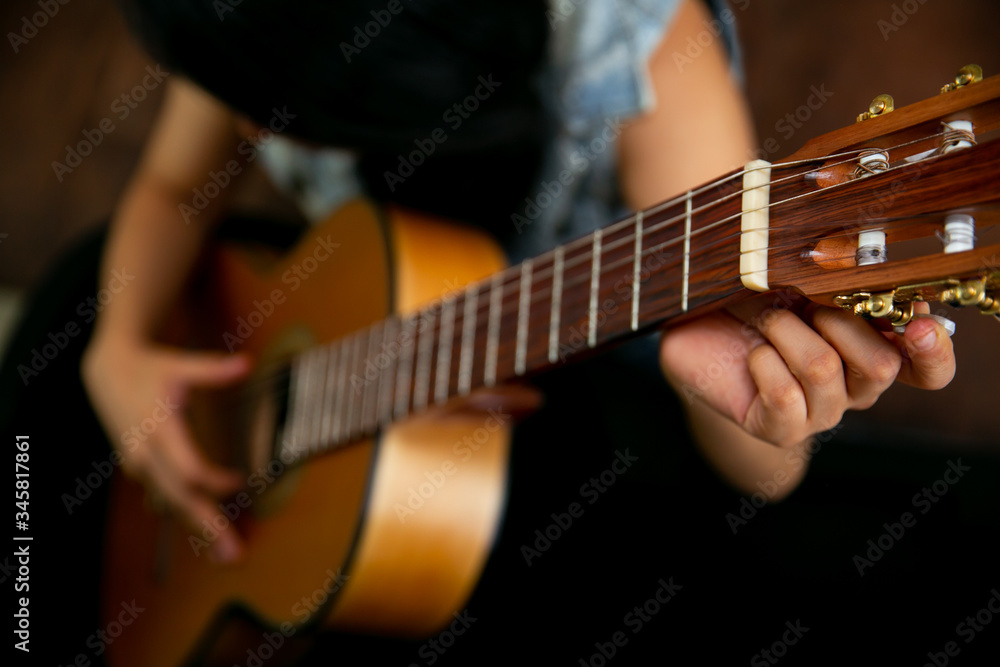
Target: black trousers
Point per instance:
(660, 561)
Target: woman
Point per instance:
(372, 78)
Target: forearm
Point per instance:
(699, 130)
(747, 463)
(150, 249)
(157, 232)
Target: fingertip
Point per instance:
(931, 354)
(226, 549)
(222, 481)
(239, 363)
(922, 335)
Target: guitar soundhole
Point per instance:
(270, 477)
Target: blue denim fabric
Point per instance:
(597, 77)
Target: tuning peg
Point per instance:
(881, 105)
(976, 292)
(966, 75)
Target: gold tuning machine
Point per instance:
(871, 306)
(896, 306)
(975, 293)
(881, 105)
(966, 75)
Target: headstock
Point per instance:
(886, 212)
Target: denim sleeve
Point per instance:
(597, 77)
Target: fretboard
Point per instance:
(661, 264)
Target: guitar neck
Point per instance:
(667, 262)
(688, 255)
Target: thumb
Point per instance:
(211, 369)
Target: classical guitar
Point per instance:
(375, 483)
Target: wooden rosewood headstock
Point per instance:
(894, 209)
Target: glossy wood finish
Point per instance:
(302, 527)
(411, 570)
(440, 484)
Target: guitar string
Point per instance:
(366, 429)
(584, 257)
(662, 206)
(370, 427)
(512, 275)
(434, 333)
(514, 271)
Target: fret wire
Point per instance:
(493, 331)
(595, 286)
(293, 383)
(506, 274)
(370, 390)
(307, 401)
(302, 420)
(390, 333)
(352, 390)
(404, 372)
(469, 321)
(554, 315)
(446, 335)
(339, 415)
(316, 390)
(330, 394)
(581, 257)
(524, 312)
(425, 348)
(687, 252)
(636, 270)
(297, 402)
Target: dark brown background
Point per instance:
(66, 77)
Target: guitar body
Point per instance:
(372, 537)
(389, 534)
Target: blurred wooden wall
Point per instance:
(66, 78)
